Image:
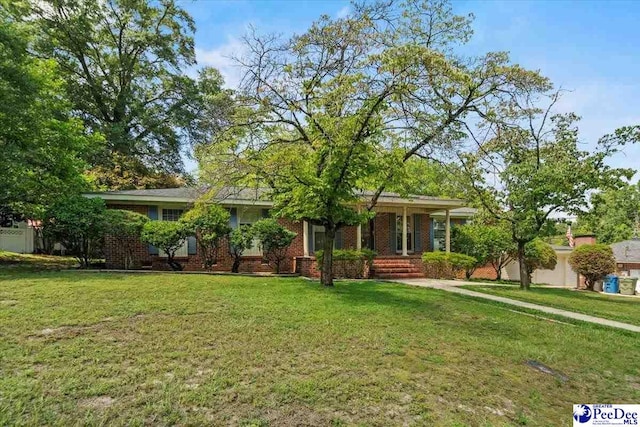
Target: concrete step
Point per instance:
(399, 276)
(384, 270)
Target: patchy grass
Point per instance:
(610, 307)
(26, 262)
(115, 349)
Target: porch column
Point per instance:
(404, 231)
(447, 231)
(305, 238)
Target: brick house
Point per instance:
(402, 229)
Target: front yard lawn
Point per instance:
(618, 308)
(112, 349)
(22, 262)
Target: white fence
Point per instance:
(19, 240)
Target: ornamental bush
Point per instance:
(349, 263)
(240, 239)
(210, 223)
(539, 255)
(79, 224)
(446, 265)
(594, 262)
(274, 240)
(167, 236)
(125, 227)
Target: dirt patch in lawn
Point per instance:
(98, 402)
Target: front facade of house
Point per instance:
(402, 229)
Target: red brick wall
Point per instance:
(115, 256)
(114, 252)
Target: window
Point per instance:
(439, 235)
(318, 238)
(248, 217)
(171, 214)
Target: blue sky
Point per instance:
(587, 47)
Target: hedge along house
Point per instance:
(401, 230)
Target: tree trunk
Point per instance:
(525, 279)
(498, 269)
(326, 275)
(236, 264)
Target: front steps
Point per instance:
(395, 268)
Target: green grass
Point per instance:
(112, 349)
(27, 262)
(595, 304)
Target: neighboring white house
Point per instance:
(562, 275)
(19, 237)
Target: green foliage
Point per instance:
(348, 262)
(210, 223)
(126, 228)
(274, 240)
(167, 236)
(538, 254)
(446, 265)
(594, 262)
(342, 108)
(348, 255)
(79, 224)
(125, 63)
(538, 168)
(240, 239)
(614, 214)
(41, 144)
(488, 244)
(429, 178)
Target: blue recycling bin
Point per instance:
(611, 284)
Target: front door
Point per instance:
(399, 233)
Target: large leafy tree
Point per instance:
(531, 165)
(342, 107)
(125, 64)
(41, 144)
(614, 214)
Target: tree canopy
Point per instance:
(342, 107)
(42, 144)
(125, 63)
(529, 165)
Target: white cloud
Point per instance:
(221, 57)
(343, 13)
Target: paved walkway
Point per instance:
(454, 286)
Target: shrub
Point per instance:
(344, 258)
(79, 224)
(488, 244)
(240, 239)
(594, 262)
(274, 240)
(210, 223)
(443, 265)
(539, 255)
(125, 227)
(168, 236)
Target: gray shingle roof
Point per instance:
(238, 193)
(627, 251)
